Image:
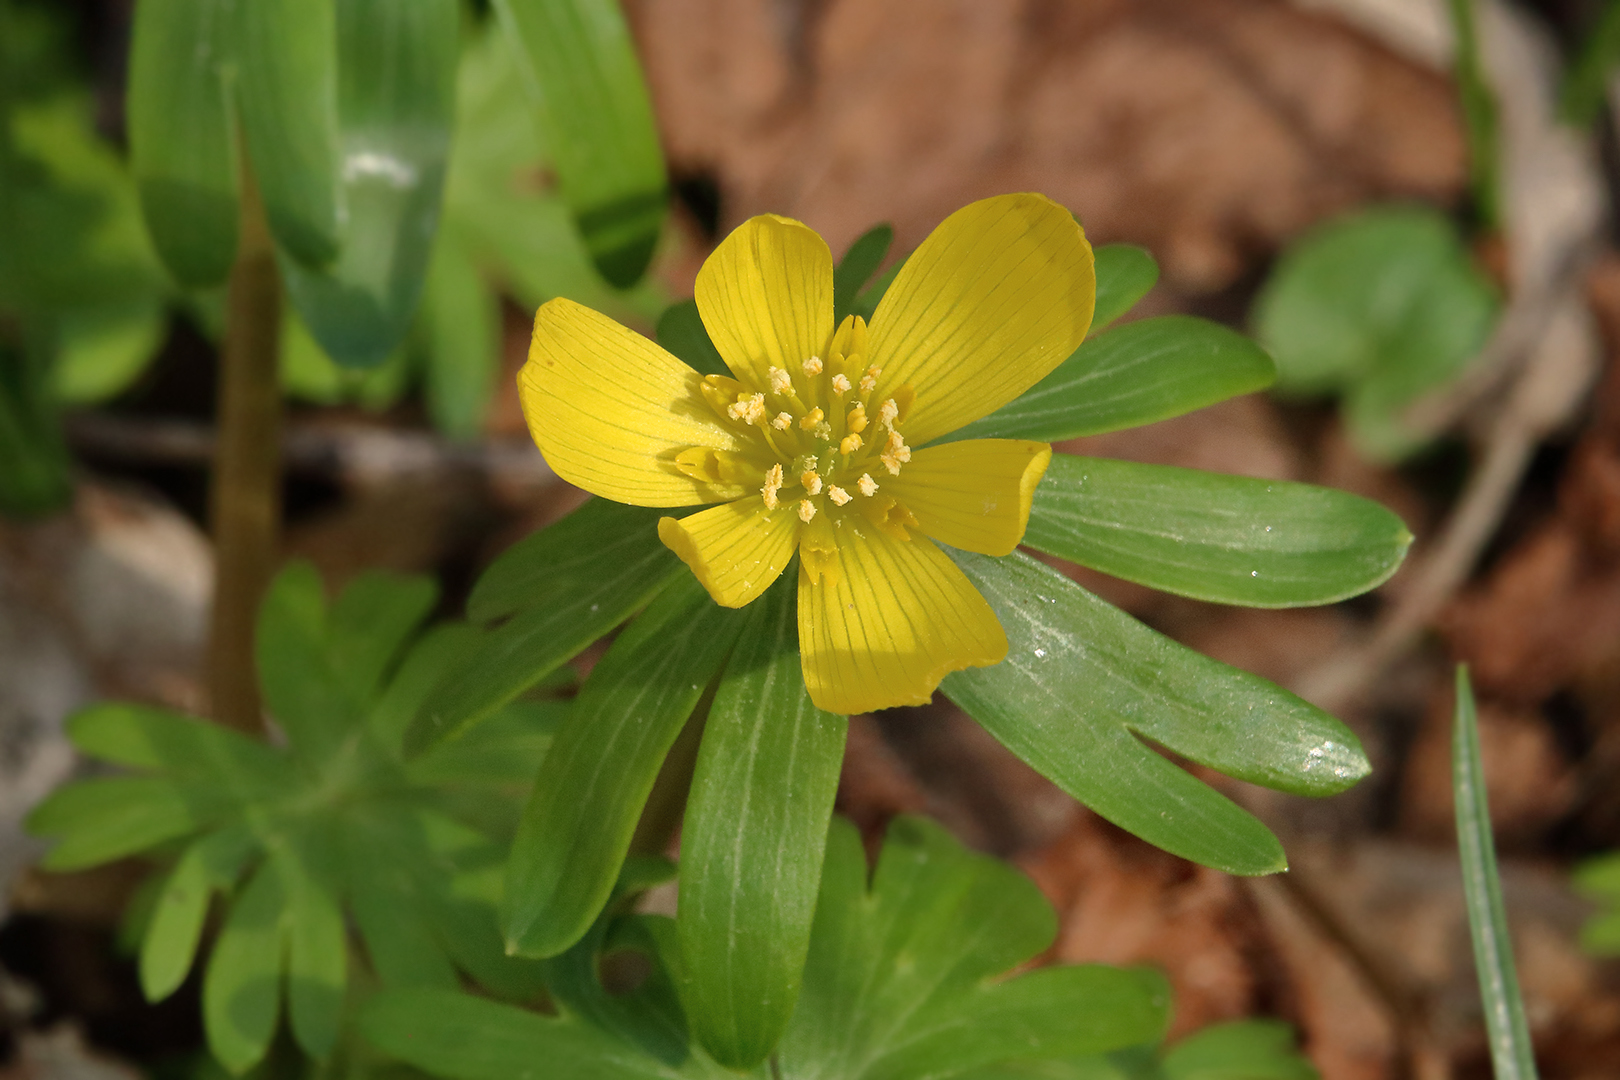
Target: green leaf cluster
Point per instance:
(333, 830)
(1088, 695)
(1379, 307)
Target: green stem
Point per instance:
(246, 495)
(1479, 112)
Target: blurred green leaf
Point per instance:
(1599, 880)
(97, 821)
(396, 85)
(1512, 1053)
(1586, 81)
(169, 946)
(201, 754)
(579, 68)
(857, 266)
(103, 349)
(242, 986)
(1226, 539)
(1132, 375)
(1479, 113)
(1086, 688)
(36, 479)
(1125, 273)
(599, 771)
(461, 339)
(182, 137)
(1382, 307)
(751, 846)
(681, 331)
(306, 371)
(1239, 1050)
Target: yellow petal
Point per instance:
(766, 297)
(996, 297)
(735, 550)
(973, 494)
(610, 410)
(897, 618)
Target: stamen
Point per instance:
(840, 385)
(783, 421)
(811, 482)
(781, 381)
(888, 413)
(838, 495)
(896, 454)
(812, 366)
(807, 510)
(815, 417)
(824, 431)
(869, 380)
(850, 444)
(867, 485)
(749, 408)
(773, 484)
(856, 420)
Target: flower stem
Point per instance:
(245, 501)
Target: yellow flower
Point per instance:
(818, 443)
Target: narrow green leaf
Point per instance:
(169, 945)
(1512, 1052)
(98, 821)
(395, 104)
(182, 141)
(286, 93)
(570, 584)
(1227, 539)
(317, 953)
(461, 324)
(302, 690)
(1480, 115)
(579, 67)
(198, 752)
(1084, 684)
(385, 858)
(242, 987)
(370, 622)
(857, 266)
(751, 847)
(1132, 375)
(1251, 1049)
(596, 778)
(866, 303)
(1586, 81)
(681, 331)
(1125, 273)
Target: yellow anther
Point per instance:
(888, 413)
(782, 422)
(896, 454)
(869, 380)
(840, 385)
(838, 495)
(816, 416)
(773, 484)
(781, 381)
(812, 366)
(811, 481)
(867, 485)
(850, 444)
(856, 420)
(749, 408)
(824, 431)
(807, 510)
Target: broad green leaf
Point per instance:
(101, 820)
(1382, 306)
(856, 268)
(1586, 81)
(210, 864)
(426, 664)
(599, 771)
(372, 618)
(681, 331)
(395, 102)
(505, 749)
(242, 986)
(568, 585)
(317, 950)
(1085, 686)
(385, 856)
(308, 373)
(905, 980)
(102, 349)
(1227, 539)
(182, 140)
(286, 94)
(302, 688)
(36, 479)
(461, 332)
(1125, 273)
(198, 752)
(1599, 880)
(1240, 1050)
(578, 65)
(1132, 375)
(1512, 1052)
(751, 846)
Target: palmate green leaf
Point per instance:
(564, 586)
(1599, 880)
(579, 68)
(1125, 273)
(1083, 688)
(1227, 539)
(182, 137)
(1135, 374)
(200, 753)
(1239, 1050)
(97, 821)
(242, 985)
(596, 777)
(752, 842)
(287, 99)
(1512, 1052)
(395, 103)
(210, 864)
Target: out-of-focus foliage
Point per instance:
(1599, 880)
(334, 829)
(1586, 82)
(1379, 307)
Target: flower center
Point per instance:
(817, 438)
